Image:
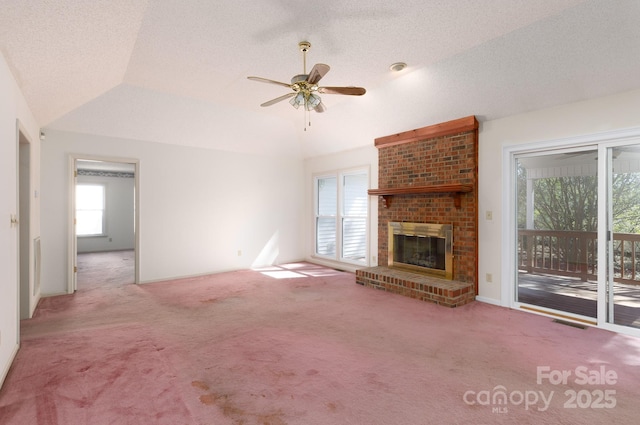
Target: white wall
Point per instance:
(13, 107)
(199, 208)
(357, 158)
(584, 118)
(119, 215)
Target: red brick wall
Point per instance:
(440, 160)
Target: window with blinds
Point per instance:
(327, 207)
(341, 216)
(354, 216)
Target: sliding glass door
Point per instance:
(623, 236)
(578, 232)
(557, 216)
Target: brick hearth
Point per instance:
(429, 175)
(449, 293)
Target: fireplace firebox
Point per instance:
(422, 247)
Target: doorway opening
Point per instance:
(28, 247)
(104, 210)
(557, 214)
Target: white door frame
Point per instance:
(605, 215)
(72, 254)
(602, 141)
(24, 215)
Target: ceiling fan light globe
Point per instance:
(298, 100)
(314, 100)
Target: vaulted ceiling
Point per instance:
(174, 71)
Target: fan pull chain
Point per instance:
(304, 116)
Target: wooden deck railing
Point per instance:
(574, 254)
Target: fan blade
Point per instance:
(320, 107)
(278, 99)
(265, 80)
(351, 91)
(318, 71)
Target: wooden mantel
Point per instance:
(455, 189)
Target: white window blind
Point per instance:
(327, 205)
(354, 217)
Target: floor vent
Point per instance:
(572, 324)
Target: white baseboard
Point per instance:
(5, 370)
(351, 268)
(489, 300)
(55, 294)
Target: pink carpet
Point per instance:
(301, 344)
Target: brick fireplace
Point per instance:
(429, 175)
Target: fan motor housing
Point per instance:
(298, 78)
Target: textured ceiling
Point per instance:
(174, 71)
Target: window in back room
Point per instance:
(90, 209)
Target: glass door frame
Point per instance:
(606, 303)
(603, 142)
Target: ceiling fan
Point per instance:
(304, 87)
